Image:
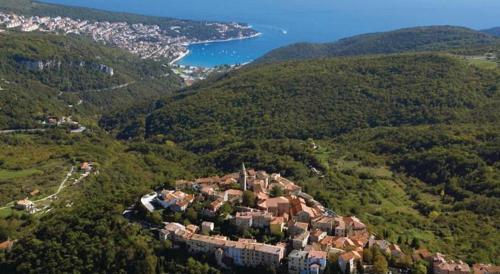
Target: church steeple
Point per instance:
(243, 177)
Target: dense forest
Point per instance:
(72, 72)
(433, 38)
(325, 98)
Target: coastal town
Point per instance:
(299, 233)
(145, 41)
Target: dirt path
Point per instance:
(61, 186)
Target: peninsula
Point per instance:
(146, 41)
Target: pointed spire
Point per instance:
(243, 177)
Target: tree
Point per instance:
(4, 234)
(359, 267)
(380, 265)
(400, 239)
(276, 191)
(248, 198)
(419, 268)
(348, 267)
(192, 215)
(368, 255)
(415, 243)
(387, 233)
(332, 265)
(155, 218)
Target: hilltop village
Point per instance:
(256, 219)
(146, 41)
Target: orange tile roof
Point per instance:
(328, 241)
(278, 220)
(324, 220)
(192, 228)
(244, 215)
(230, 176)
(234, 192)
(317, 254)
(301, 225)
(216, 204)
(351, 255)
(24, 202)
(274, 202)
(6, 245)
(317, 232)
(485, 268)
(355, 222)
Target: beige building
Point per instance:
(243, 220)
(306, 262)
(441, 266)
(348, 261)
(277, 206)
(244, 252)
(485, 269)
(317, 235)
(324, 223)
(300, 241)
(207, 227)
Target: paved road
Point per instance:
(9, 205)
(8, 131)
(111, 88)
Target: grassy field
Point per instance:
(26, 166)
(485, 64)
(17, 174)
(6, 212)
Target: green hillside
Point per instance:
(493, 31)
(326, 98)
(438, 184)
(408, 142)
(86, 219)
(73, 73)
(432, 38)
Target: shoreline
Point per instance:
(180, 57)
(223, 40)
(186, 53)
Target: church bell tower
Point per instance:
(243, 177)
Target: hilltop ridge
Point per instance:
(429, 38)
(44, 75)
(326, 98)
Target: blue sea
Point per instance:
(283, 22)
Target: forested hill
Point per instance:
(408, 142)
(493, 31)
(431, 38)
(325, 98)
(42, 75)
